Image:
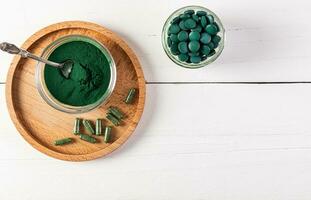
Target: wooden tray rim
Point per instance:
(141, 82)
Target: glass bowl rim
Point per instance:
(45, 93)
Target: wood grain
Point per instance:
(41, 124)
(226, 144)
(259, 45)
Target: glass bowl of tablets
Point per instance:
(193, 37)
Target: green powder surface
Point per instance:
(89, 78)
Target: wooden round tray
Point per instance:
(41, 124)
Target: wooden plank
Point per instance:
(234, 142)
(266, 41)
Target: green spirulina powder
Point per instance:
(89, 78)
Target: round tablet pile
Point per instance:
(192, 36)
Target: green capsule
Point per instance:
(203, 21)
(182, 36)
(190, 23)
(107, 135)
(169, 42)
(205, 38)
(217, 27)
(88, 126)
(198, 28)
(116, 112)
(113, 119)
(190, 12)
(62, 141)
(195, 59)
(175, 20)
(216, 39)
(76, 127)
(211, 29)
(183, 57)
(87, 138)
(174, 38)
(205, 50)
(211, 45)
(173, 29)
(216, 45)
(182, 47)
(184, 16)
(194, 46)
(132, 93)
(182, 25)
(194, 35)
(201, 13)
(174, 48)
(210, 19)
(98, 128)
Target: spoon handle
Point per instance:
(12, 49)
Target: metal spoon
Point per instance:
(65, 67)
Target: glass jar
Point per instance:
(48, 97)
(174, 58)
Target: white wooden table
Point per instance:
(212, 133)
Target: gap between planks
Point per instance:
(227, 82)
(220, 82)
